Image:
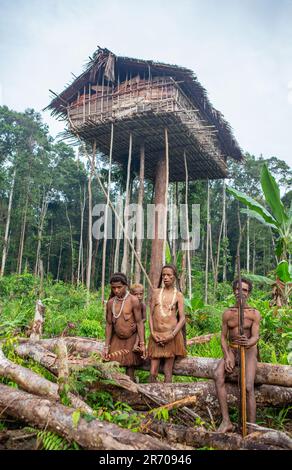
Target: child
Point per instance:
(166, 322)
(138, 291)
(123, 325)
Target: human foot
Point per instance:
(226, 426)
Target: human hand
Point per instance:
(105, 353)
(241, 340)
(143, 351)
(229, 363)
(156, 337)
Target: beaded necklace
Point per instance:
(116, 315)
(170, 307)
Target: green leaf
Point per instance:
(279, 247)
(256, 215)
(272, 195)
(283, 273)
(253, 205)
(168, 257)
(75, 418)
(259, 279)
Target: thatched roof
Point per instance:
(188, 82)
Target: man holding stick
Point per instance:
(231, 342)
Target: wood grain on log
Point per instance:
(44, 413)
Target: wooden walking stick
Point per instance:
(242, 375)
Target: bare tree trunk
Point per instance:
(72, 245)
(224, 233)
(93, 268)
(189, 268)
(80, 254)
(247, 245)
(140, 228)
(207, 244)
(89, 258)
(118, 233)
(40, 230)
(57, 418)
(106, 216)
(22, 236)
(124, 267)
(7, 226)
(37, 326)
(216, 270)
(49, 249)
(158, 245)
(59, 261)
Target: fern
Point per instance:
(48, 440)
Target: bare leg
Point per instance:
(251, 365)
(130, 371)
(168, 367)
(154, 368)
(219, 376)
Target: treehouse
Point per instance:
(149, 116)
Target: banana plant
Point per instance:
(278, 218)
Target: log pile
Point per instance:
(38, 403)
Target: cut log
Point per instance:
(57, 418)
(63, 367)
(34, 383)
(198, 437)
(200, 339)
(205, 392)
(201, 367)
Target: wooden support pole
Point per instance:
(140, 228)
(124, 267)
(189, 268)
(106, 216)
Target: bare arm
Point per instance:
(229, 360)
(108, 329)
(181, 315)
(152, 304)
(140, 325)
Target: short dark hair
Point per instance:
(119, 277)
(174, 270)
(243, 279)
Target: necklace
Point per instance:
(116, 315)
(170, 307)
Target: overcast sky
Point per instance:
(240, 50)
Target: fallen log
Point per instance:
(199, 437)
(205, 393)
(201, 339)
(52, 416)
(201, 367)
(35, 383)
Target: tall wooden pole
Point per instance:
(160, 197)
(106, 215)
(188, 230)
(124, 267)
(140, 212)
(207, 243)
(90, 178)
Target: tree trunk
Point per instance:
(72, 245)
(80, 254)
(106, 216)
(40, 230)
(189, 267)
(207, 244)
(140, 228)
(37, 326)
(124, 267)
(118, 233)
(247, 245)
(202, 367)
(198, 437)
(49, 249)
(7, 226)
(158, 243)
(59, 261)
(89, 258)
(224, 233)
(52, 416)
(22, 236)
(205, 392)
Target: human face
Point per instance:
(139, 293)
(245, 291)
(118, 289)
(168, 277)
